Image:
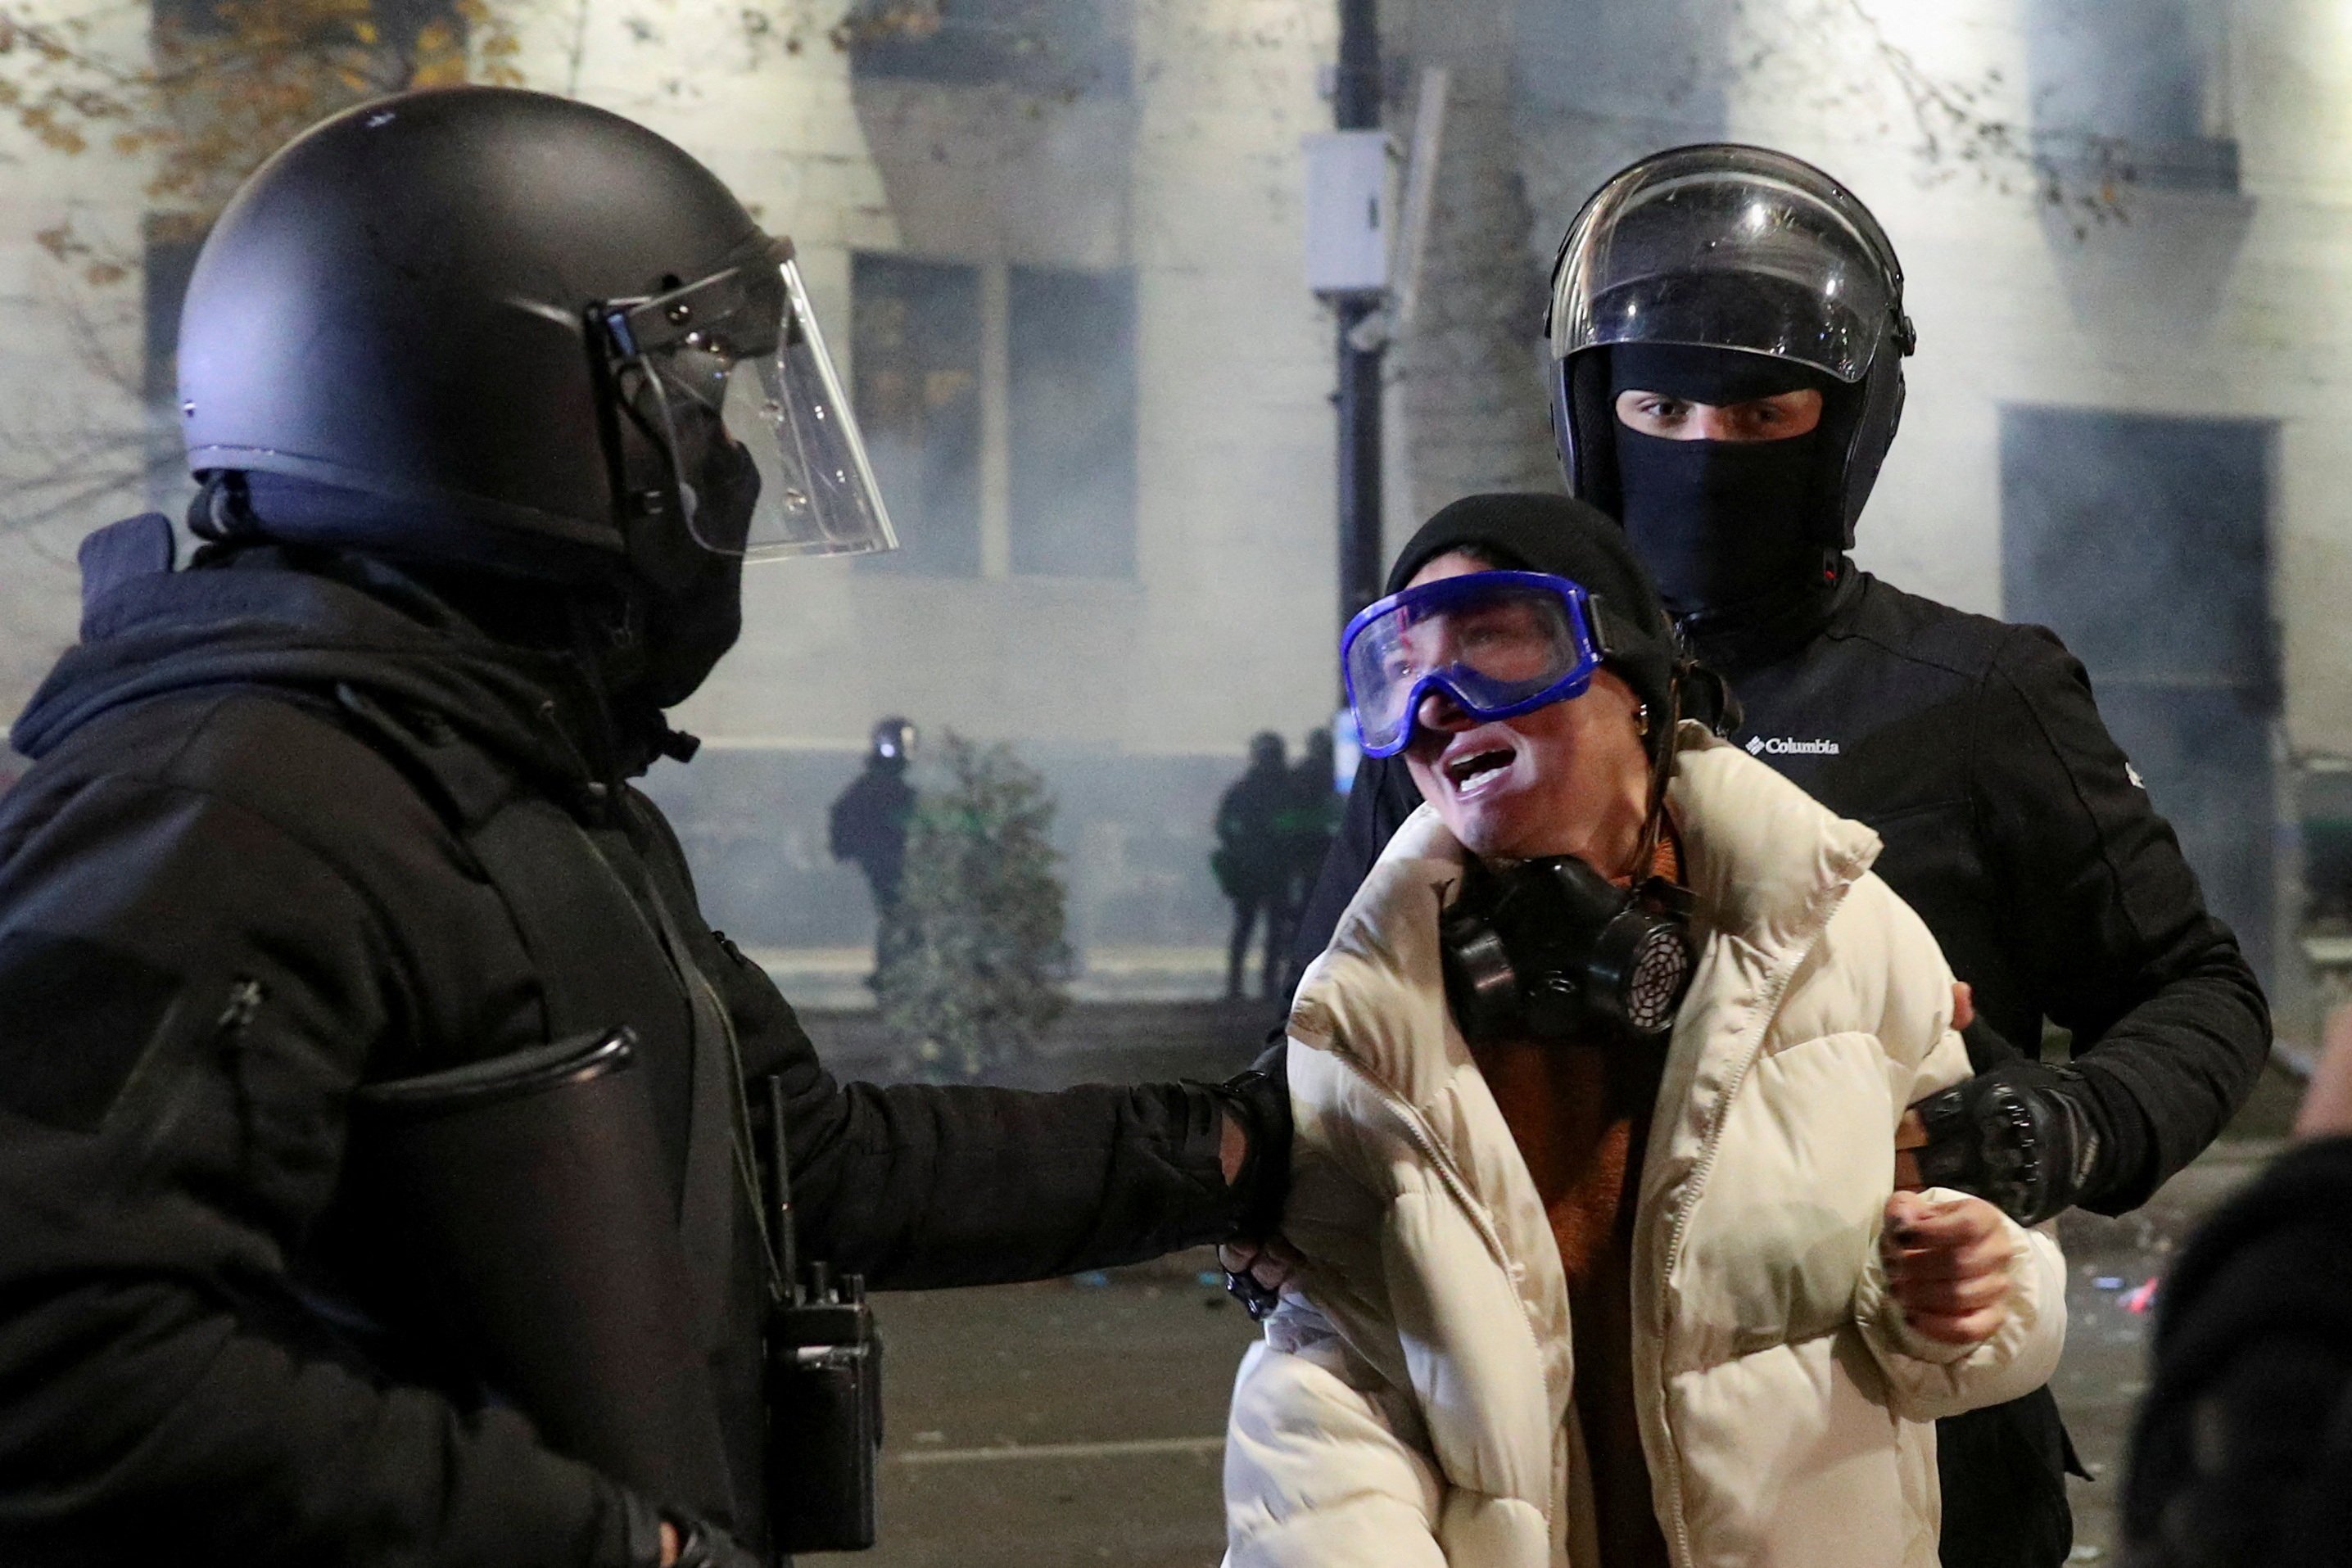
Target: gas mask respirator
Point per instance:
(1552, 949)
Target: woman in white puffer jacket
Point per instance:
(1598, 1300)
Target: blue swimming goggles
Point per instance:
(1498, 642)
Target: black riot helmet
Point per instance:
(893, 740)
(496, 327)
(1740, 249)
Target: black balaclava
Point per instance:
(1721, 524)
(692, 596)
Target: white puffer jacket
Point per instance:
(1410, 1402)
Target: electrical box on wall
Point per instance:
(1347, 212)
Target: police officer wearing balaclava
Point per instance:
(337, 1225)
(1727, 329)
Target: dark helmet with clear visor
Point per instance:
(517, 322)
(1739, 248)
(742, 345)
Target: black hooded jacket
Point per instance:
(222, 906)
(2012, 824)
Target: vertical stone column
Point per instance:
(1470, 393)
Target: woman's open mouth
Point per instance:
(1478, 769)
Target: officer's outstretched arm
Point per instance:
(917, 1187)
(170, 1132)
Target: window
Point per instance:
(1059, 48)
(2130, 90)
(999, 403)
(915, 345)
(1072, 421)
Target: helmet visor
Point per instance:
(1728, 248)
(744, 346)
(1496, 643)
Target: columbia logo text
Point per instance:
(1788, 745)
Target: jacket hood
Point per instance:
(257, 621)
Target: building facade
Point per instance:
(1058, 245)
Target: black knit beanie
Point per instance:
(1568, 538)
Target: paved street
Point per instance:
(1077, 1421)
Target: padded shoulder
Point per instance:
(1925, 631)
(287, 758)
(1877, 969)
(291, 766)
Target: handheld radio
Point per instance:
(825, 1387)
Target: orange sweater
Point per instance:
(1580, 1112)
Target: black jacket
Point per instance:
(868, 822)
(2243, 1448)
(222, 907)
(1248, 859)
(2013, 825)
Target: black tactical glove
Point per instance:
(1261, 1097)
(699, 1545)
(702, 1546)
(2020, 1136)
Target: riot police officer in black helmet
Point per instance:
(1727, 329)
(392, 1163)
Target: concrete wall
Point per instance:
(1469, 401)
(72, 432)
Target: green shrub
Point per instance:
(973, 973)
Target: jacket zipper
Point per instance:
(1427, 1144)
(245, 999)
(1699, 1173)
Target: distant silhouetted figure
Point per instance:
(1249, 862)
(1309, 820)
(869, 826)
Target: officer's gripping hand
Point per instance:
(659, 1539)
(1911, 1133)
(1256, 1261)
(694, 1545)
(2019, 1136)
